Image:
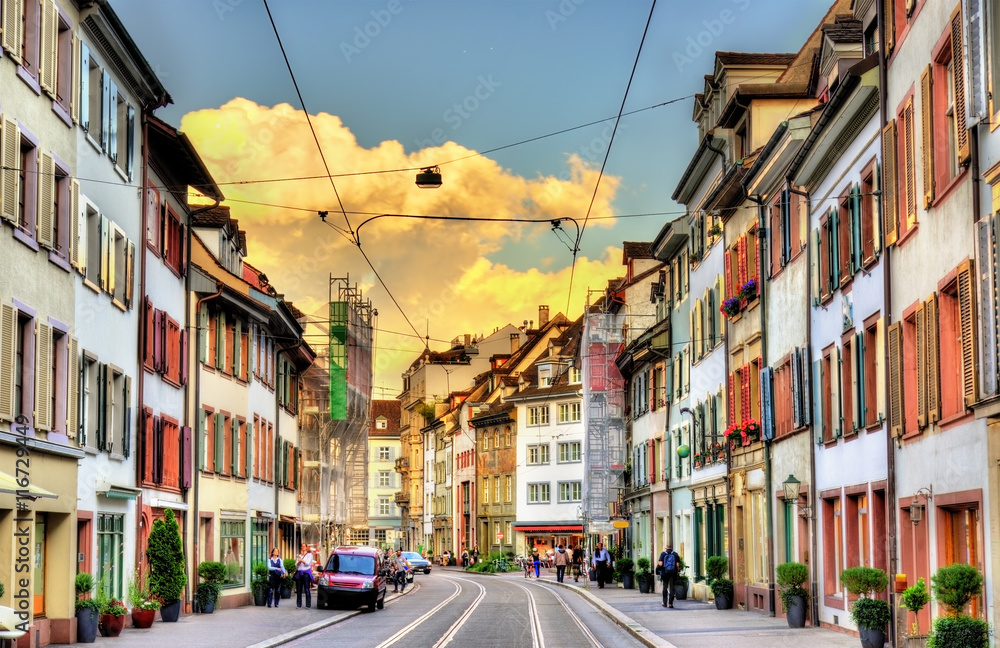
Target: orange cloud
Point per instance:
(436, 270)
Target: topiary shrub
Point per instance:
(864, 581)
(716, 567)
(165, 553)
(791, 576)
(871, 613)
(915, 598)
(964, 631)
(955, 585)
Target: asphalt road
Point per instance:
(466, 609)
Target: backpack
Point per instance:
(669, 561)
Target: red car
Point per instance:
(352, 576)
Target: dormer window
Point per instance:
(381, 423)
(544, 376)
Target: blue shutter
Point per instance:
(805, 393)
(793, 368)
(766, 404)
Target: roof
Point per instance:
(215, 217)
(391, 411)
(845, 29)
(635, 250)
(172, 151)
(754, 58)
(495, 412)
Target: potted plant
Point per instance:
(715, 230)
(643, 575)
(794, 598)
(259, 583)
(288, 582)
(165, 553)
(954, 586)
(212, 575)
(915, 598)
(748, 291)
(625, 572)
(681, 581)
(751, 432)
(731, 307)
(144, 605)
(87, 609)
(112, 615)
(717, 568)
(870, 614)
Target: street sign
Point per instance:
(620, 524)
(499, 537)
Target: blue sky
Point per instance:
(478, 73)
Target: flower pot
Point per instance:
(723, 602)
(796, 613)
(143, 618)
(871, 638)
(286, 592)
(681, 590)
(208, 607)
(170, 612)
(643, 584)
(916, 641)
(628, 582)
(260, 596)
(111, 625)
(86, 626)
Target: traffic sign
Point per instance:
(499, 537)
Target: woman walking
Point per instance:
(276, 574)
(303, 576)
(537, 560)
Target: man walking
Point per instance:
(400, 565)
(601, 562)
(667, 567)
(561, 559)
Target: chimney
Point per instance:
(515, 341)
(468, 339)
(543, 316)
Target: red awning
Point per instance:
(569, 528)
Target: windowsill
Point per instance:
(95, 143)
(874, 426)
(90, 284)
(60, 261)
(122, 174)
(949, 189)
(176, 271)
(29, 79)
(118, 304)
(955, 419)
(907, 235)
(24, 237)
(870, 262)
(62, 112)
(170, 381)
(153, 248)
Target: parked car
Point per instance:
(353, 576)
(417, 562)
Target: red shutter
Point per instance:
(745, 412)
(742, 251)
(185, 452)
(158, 340)
(184, 356)
(729, 274)
(732, 398)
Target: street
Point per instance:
(477, 610)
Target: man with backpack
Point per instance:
(667, 568)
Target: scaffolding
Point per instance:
(604, 396)
(335, 428)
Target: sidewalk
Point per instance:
(694, 624)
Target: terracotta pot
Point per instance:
(111, 625)
(143, 618)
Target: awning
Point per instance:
(112, 491)
(10, 486)
(548, 528)
(168, 504)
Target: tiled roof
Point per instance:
(390, 409)
(215, 217)
(636, 250)
(846, 29)
(753, 58)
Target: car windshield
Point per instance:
(351, 564)
(412, 555)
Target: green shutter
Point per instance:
(234, 431)
(818, 422)
(203, 340)
(202, 438)
(855, 207)
(861, 414)
(220, 446)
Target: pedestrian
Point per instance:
(601, 562)
(465, 556)
(399, 566)
(276, 575)
(667, 568)
(303, 576)
(536, 561)
(577, 563)
(561, 559)
(475, 554)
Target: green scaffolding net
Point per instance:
(338, 361)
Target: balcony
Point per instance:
(402, 464)
(402, 498)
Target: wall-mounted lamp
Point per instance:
(429, 178)
(916, 508)
(791, 495)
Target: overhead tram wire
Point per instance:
(329, 174)
(607, 154)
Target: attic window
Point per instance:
(381, 423)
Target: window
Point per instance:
(384, 506)
(907, 190)
(741, 263)
(538, 493)
(956, 344)
(111, 551)
(174, 241)
(869, 218)
(507, 436)
(538, 415)
(569, 412)
(496, 489)
(123, 134)
(383, 478)
(27, 202)
(62, 67)
(858, 521)
(848, 385)
(538, 454)
(872, 373)
(570, 451)
(232, 538)
(89, 410)
(570, 491)
(384, 453)
(575, 375)
(381, 423)
(508, 488)
(93, 82)
(486, 490)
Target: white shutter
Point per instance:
(975, 55)
(11, 36)
(10, 160)
(72, 386)
(105, 111)
(74, 222)
(47, 68)
(988, 282)
(8, 343)
(44, 228)
(74, 89)
(84, 91)
(43, 376)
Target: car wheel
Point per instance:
(380, 603)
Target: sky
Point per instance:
(464, 85)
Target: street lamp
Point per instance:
(916, 508)
(791, 495)
(429, 178)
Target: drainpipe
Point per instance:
(891, 507)
(813, 539)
